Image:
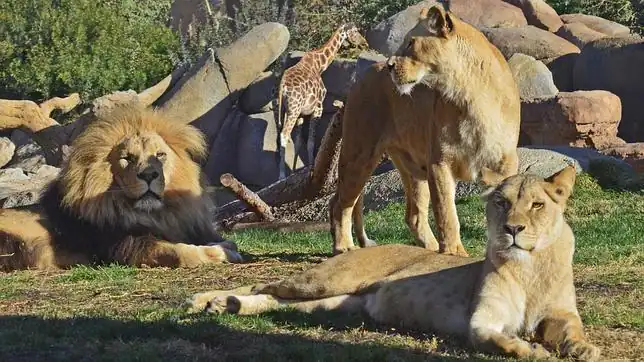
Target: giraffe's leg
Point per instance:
(285, 136)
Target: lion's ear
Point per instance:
(559, 186)
(437, 21)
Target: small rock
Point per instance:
(387, 36)
(596, 23)
(7, 148)
(579, 34)
(529, 40)
(582, 118)
(28, 157)
(539, 14)
(8, 175)
(20, 199)
(532, 77)
(258, 96)
(631, 153)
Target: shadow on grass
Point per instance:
(31, 338)
(293, 257)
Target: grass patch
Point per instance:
(127, 314)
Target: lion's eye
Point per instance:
(161, 155)
(128, 158)
(537, 205)
(502, 203)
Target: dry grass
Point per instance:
(126, 314)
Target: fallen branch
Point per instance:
(325, 168)
(246, 195)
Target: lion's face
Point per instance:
(142, 165)
(525, 212)
(431, 47)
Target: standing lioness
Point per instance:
(524, 285)
(451, 111)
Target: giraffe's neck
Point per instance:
(324, 55)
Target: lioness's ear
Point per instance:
(436, 21)
(560, 185)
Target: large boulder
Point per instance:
(7, 148)
(258, 96)
(207, 92)
(579, 34)
(582, 118)
(615, 65)
(561, 69)
(387, 36)
(539, 14)
(529, 40)
(596, 23)
(532, 77)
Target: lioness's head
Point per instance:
(439, 44)
(525, 213)
(133, 162)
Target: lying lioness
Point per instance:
(525, 283)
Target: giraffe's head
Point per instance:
(350, 33)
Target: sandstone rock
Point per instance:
(365, 61)
(207, 92)
(8, 175)
(387, 36)
(7, 148)
(529, 40)
(258, 96)
(582, 118)
(615, 65)
(338, 77)
(18, 189)
(28, 157)
(579, 34)
(596, 23)
(532, 77)
(539, 14)
(631, 153)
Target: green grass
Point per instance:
(126, 314)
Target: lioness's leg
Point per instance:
(152, 252)
(417, 210)
(564, 330)
(357, 162)
(260, 303)
(442, 189)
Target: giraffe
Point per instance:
(302, 90)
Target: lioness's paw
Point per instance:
(582, 351)
(197, 303)
(223, 304)
(538, 351)
(342, 250)
(457, 250)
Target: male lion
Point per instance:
(451, 112)
(524, 285)
(129, 193)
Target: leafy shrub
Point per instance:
(52, 48)
(627, 12)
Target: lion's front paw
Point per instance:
(582, 350)
(198, 302)
(220, 253)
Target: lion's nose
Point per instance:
(148, 175)
(513, 229)
(391, 62)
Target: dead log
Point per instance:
(34, 119)
(283, 226)
(305, 184)
(247, 196)
(325, 169)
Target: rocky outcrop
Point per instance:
(631, 153)
(532, 77)
(539, 14)
(387, 36)
(529, 40)
(582, 118)
(7, 148)
(615, 64)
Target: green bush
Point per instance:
(627, 12)
(51, 48)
